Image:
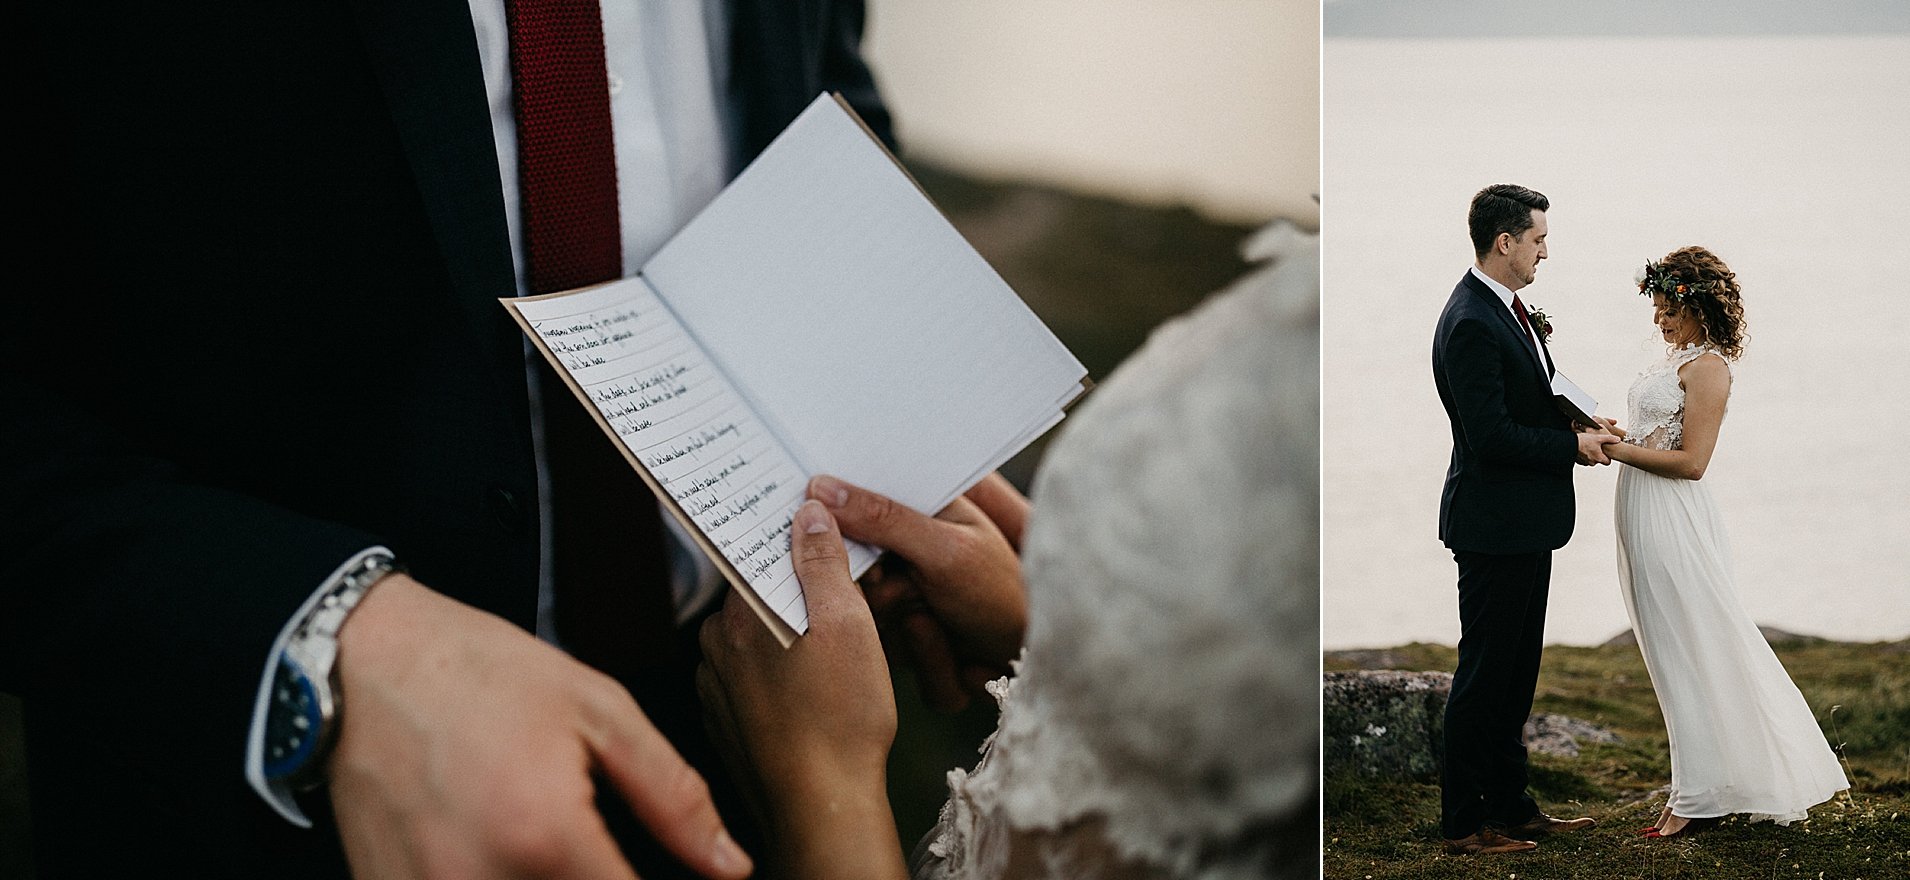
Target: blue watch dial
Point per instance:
(292, 721)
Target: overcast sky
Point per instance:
(1209, 103)
(1547, 18)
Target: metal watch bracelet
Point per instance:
(313, 648)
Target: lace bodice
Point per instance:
(1164, 721)
(1655, 408)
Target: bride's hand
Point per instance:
(807, 730)
(954, 598)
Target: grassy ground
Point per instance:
(1860, 693)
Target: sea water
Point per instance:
(1786, 156)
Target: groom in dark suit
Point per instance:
(1507, 505)
(256, 333)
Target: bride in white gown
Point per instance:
(1743, 740)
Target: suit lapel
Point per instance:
(1492, 302)
(425, 56)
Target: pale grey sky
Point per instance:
(1583, 18)
(1209, 103)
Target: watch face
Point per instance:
(292, 722)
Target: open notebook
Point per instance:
(820, 316)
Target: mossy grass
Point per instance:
(1859, 692)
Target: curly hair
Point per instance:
(1719, 303)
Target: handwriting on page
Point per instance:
(679, 416)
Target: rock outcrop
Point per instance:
(1388, 724)
(1384, 723)
(1561, 735)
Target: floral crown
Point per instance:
(1657, 280)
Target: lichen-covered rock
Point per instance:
(1389, 724)
(1384, 723)
(1561, 734)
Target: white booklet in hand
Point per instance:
(820, 316)
(1574, 402)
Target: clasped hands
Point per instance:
(1595, 444)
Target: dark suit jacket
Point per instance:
(252, 329)
(1509, 487)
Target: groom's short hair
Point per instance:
(1502, 207)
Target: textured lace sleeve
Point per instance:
(974, 838)
(1163, 721)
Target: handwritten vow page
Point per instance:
(678, 416)
(820, 316)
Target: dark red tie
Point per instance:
(613, 606)
(564, 146)
(1518, 308)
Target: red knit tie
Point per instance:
(565, 150)
(613, 608)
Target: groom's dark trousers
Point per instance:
(1507, 504)
(1502, 626)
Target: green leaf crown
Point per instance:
(1657, 280)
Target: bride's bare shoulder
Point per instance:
(1708, 370)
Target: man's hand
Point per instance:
(1591, 447)
(809, 729)
(955, 596)
(467, 749)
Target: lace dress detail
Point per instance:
(1656, 405)
(1163, 721)
(1742, 738)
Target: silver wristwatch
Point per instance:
(301, 720)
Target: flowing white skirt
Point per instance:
(1742, 738)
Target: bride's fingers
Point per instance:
(1003, 504)
(822, 564)
(877, 519)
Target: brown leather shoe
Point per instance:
(1488, 842)
(1541, 825)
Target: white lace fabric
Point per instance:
(1164, 714)
(1656, 404)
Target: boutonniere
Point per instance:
(1542, 323)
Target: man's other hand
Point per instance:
(468, 747)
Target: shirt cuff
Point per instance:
(277, 795)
